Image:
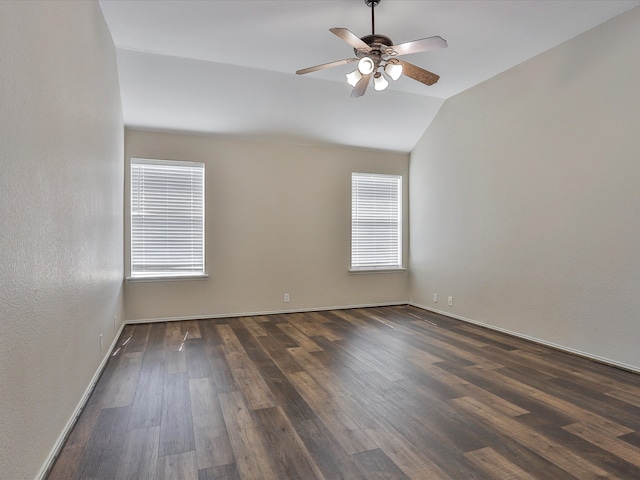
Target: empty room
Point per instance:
(332, 239)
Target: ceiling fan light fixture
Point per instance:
(379, 82)
(394, 70)
(375, 57)
(366, 66)
(353, 78)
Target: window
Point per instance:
(167, 218)
(376, 222)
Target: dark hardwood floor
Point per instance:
(377, 393)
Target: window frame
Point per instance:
(380, 267)
(170, 273)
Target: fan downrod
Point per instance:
(372, 4)
(373, 40)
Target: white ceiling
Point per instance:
(228, 67)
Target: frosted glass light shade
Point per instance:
(394, 70)
(366, 66)
(379, 82)
(353, 78)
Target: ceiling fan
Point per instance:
(377, 52)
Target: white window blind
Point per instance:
(376, 221)
(167, 218)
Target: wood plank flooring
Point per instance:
(376, 393)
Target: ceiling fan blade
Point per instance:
(326, 65)
(417, 73)
(351, 38)
(361, 86)
(422, 45)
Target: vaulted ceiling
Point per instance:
(228, 67)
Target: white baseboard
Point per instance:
(55, 451)
(268, 312)
(590, 356)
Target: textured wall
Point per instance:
(278, 220)
(61, 149)
(524, 198)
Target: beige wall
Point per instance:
(277, 221)
(61, 190)
(525, 194)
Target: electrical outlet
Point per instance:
(286, 298)
(451, 301)
(100, 342)
(435, 298)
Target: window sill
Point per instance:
(376, 270)
(167, 278)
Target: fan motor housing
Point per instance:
(380, 45)
(371, 40)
